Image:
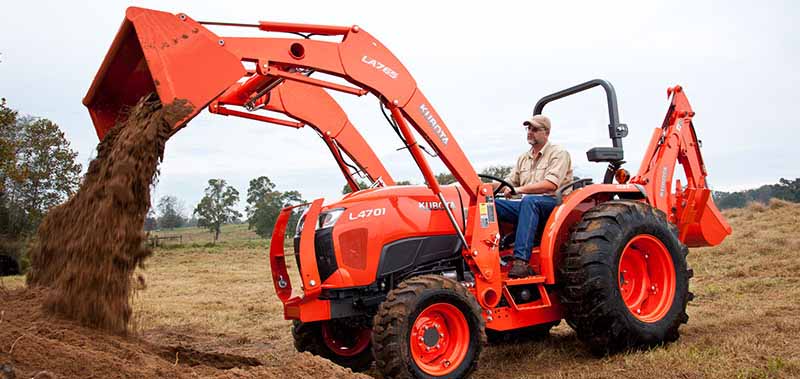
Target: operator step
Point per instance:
(533, 279)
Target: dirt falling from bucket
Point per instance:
(89, 247)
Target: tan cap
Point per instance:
(538, 121)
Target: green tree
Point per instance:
(8, 121)
(785, 189)
(445, 178)
(216, 208)
(38, 169)
(497, 171)
(265, 204)
(8, 144)
(193, 222)
(170, 213)
(150, 222)
(346, 189)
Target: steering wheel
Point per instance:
(503, 183)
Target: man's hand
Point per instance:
(507, 192)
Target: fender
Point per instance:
(569, 212)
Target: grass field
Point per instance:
(744, 320)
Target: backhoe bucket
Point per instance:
(171, 55)
(711, 227)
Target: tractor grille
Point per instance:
(323, 250)
(326, 259)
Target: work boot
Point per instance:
(519, 269)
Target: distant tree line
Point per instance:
(218, 208)
(785, 189)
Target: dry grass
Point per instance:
(744, 321)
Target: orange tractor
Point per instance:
(414, 277)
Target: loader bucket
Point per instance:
(171, 55)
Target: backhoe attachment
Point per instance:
(691, 207)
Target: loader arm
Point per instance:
(314, 107)
(179, 58)
(690, 208)
(364, 62)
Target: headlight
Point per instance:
(328, 218)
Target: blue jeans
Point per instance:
(530, 214)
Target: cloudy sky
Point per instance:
(482, 65)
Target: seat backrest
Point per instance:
(605, 154)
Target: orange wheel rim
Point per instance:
(646, 278)
(346, 342)
(439, 339)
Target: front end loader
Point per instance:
(413, 278)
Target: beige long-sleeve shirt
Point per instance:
(552, 163)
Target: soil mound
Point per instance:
(82, 271)
(89, 246)
(33, 343)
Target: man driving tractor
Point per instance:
(537, 174)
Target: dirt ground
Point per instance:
(36, 344)
(210, 311)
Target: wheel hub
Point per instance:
(439, 339)
(431, 337)
(647, 278)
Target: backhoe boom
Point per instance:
(691, 208)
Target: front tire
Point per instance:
(626, 282)
(428, 327)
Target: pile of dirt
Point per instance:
(89, 246)
(73, 319)
(33, 343)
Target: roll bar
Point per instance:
(616, 130)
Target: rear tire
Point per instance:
(344, 343)
(626, 282)
(428, 327)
